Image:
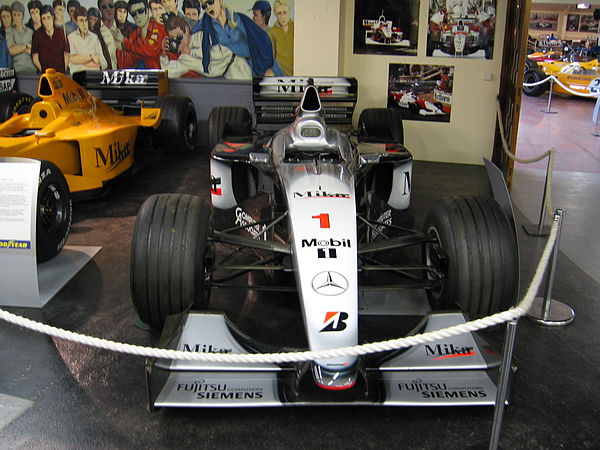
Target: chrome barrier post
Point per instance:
(502, 391)
(549, 111)
(541, 230)
(548, 311)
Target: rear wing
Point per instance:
(125, 88)
(276, 99)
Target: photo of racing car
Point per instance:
(322, 216)
(86, 141)
(422, 92)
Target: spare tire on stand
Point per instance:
(169, 244)
(474, 250)
(381, 124)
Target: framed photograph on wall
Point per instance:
(421, 91)
(588, 24)
(573, 22)
(543, 22)
(386, 27)
(461, 28)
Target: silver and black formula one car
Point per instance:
(329, 210)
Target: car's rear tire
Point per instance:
(14, 102)
(534, 76)
(480, 274)
(228, 121)
(530, 64)
(178, 128)
(168, 251)
(54, 212)
(381, 124)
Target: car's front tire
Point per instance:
(535, 76)
(474, 250)
(54, 212)
(170, 241)
(14, 102)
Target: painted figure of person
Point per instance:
(59, 14)
(121, 13)
(191, 10)
(158, 11)
(220, 25)
(282, 36)
(261, 13)
(94, 22)
(5, 19)
(34, 7)
(143, 48)
(110, 32)
(71, 24)
(182, 55)
(18, 40)
(86, 51)
(49, 47)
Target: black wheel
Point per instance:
(381, 124)
(530, 64)
(168, 252)
(178, 128)
(54, 212)
(533, 76)
(14, 102)
(475, 252)
(228, 121)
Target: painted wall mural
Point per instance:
(461, 28)
(232, 39)
(386, 27)
(420, 91)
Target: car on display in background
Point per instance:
(85, 141)
(326, 212)
(576, 76)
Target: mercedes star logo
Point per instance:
(329, 283)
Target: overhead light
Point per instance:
(583, 6)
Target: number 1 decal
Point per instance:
(323, 220)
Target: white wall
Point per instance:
(470, 134)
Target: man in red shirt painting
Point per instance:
(143, 48)
(49, 48)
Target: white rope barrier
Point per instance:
(549, 153)
(394, 344)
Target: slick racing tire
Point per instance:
(228, 121)
(474, 250)
(168, 256)
(178, 128)
(381, 124)
(54, 212)
(14, 102)
(530, 64)
(534, 76)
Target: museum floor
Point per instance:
(56, 394)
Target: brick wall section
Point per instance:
(317, 37)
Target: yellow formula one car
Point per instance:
(577, 76)
(84, 143)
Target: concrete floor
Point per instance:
(56, 394)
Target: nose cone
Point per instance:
(335, 380)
